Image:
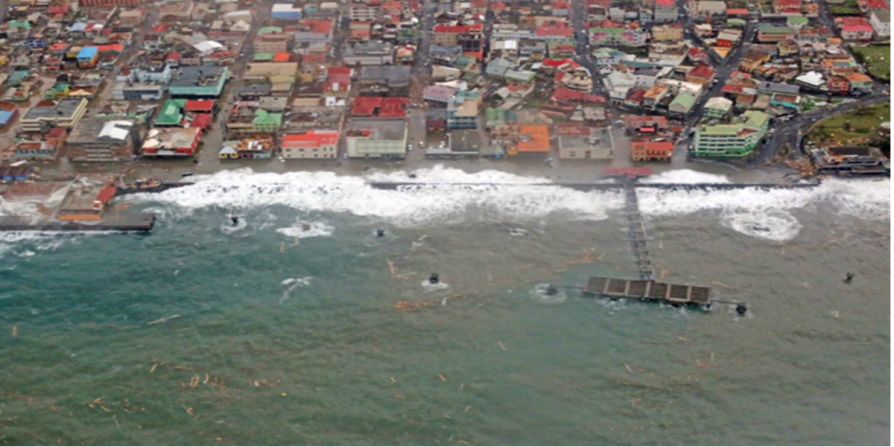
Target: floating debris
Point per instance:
(163, 320)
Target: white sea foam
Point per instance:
(405, 206)
(290, 284)
(686, 176)
(445, 195)
(302, 230)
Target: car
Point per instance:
(186, 174)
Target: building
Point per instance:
(707, 9)
(854, 28)
(385, 77)
(368, 53)
(110, 3)
(376, 138)
(682, 104)
(881, 23)
(380, 107)
(589, 144)
(280, 75)
(717, 107)
(532, 139)
(48, 114)
(462, 112)
(198, 82)
(770, 33)
(651, 150)
(101, 140)
(285, 12)
(736, 140)
(311, 144)
(173, 142)
(665, 11)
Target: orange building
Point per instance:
(532, 139)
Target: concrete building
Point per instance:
(311, 144)
(881, 23)
(101, 140)
(736, 140)
(199, 82)
(368, 53)
(48, 114)
(376, 138)
(173, 142)
(597, 145)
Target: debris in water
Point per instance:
(163, 320)
(502, 346)
(393, 380)
(442, 378)
(189, 410)
(849, 277)
(15, 330)
(628, 368)
(284, 394)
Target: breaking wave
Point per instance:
(496, 195)
(441, 195)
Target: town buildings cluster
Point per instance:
(112, 80)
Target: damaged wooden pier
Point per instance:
(649, 290)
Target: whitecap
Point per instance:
(541, 294)
(302, 230)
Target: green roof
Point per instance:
(171, 113)
(722, 130)
(269, 29)
(755, 119)
(264, 57)
(684, 99)
(769, 28)
(797, 21)
(265, 118)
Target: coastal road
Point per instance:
(792, 132)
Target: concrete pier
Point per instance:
(131, 223)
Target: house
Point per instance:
(376, 138)
(701, 74)
(171, 113)
(651, 150)
(338, 81)
(172, 142)
(285, 12)
(311, 144)
(838, 85)
(881, 23)
(854, 28)
(682, 104)
(380, 107)
(438, 93)
(718, 107)
(48, 114)
(707, 9)
(102, 140)
(8, 113)
(737, 140)
(252, 148)
(280, 75)
(860, 82)
(668, 33)
(586, 143)
(468, 37)
(770, 33)
(385, 77)
(665, 11)
(87, 57)
(645, 124)
(531, 139)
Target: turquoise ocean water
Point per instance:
(288, 329)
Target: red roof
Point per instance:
(666, 3)
(665, 147)
(310, 140)
(566, 95)
(317, 25)
(702, 71)
(555, 31)
(737, 12)
(282, 57)
(107, 194)
(202, 121)
(114, 48)
(854, 24)
(556, 63)
(174, 56)
(200, 106)
(459, 29)
(380, 107)
(313, 58)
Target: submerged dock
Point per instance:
(649, 290)
(129, 223)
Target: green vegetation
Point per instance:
(859, 127)
(848, 8)
(876, 59)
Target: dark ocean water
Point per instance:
(285, 329)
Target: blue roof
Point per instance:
(5, 117)
(78, 26)
(88, 53)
